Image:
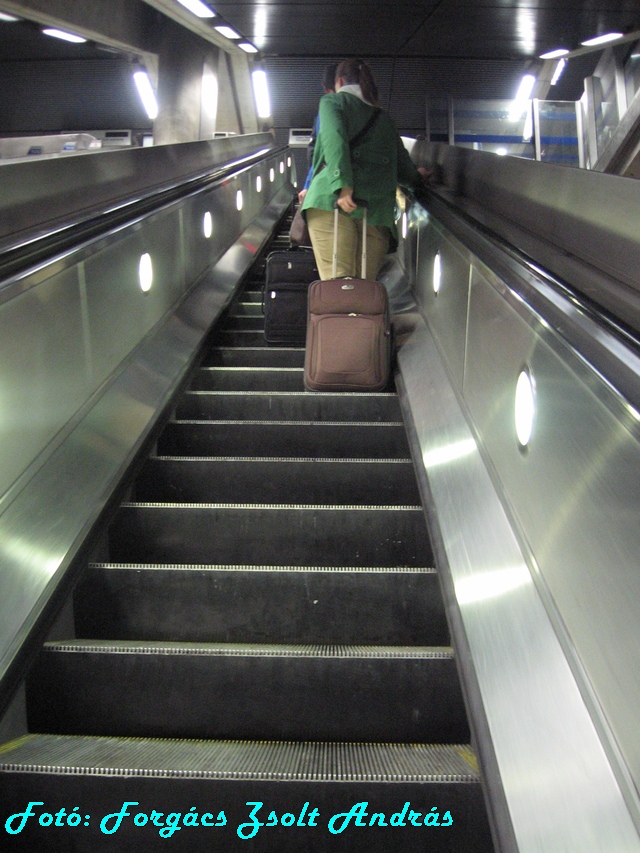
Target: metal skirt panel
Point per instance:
(556, 789)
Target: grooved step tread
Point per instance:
(232, 759)
(185, 567)
(280, 650)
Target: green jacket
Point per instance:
(377, 165)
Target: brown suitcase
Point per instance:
(348, 346)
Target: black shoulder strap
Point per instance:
(362, 133)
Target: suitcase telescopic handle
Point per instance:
(365, 206)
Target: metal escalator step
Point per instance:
(238, 338)
(287, 405)
(222, 690)
(248, 379)
(254, 480)
(307, 439)
(260, 604)
(261, 356)
(253, 293)
(243, 322)
(204, 778)
(270, 535)
(248, 308)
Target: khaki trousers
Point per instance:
(321, 224)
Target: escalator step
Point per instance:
(248, 308)
(248, 379)
(270, 535)
(306, 439)
(239, 338)
(245, 691)
(260, 604)
(287, 405)
(261, 356)
(243, 322)
(206, 777)
(190, 479)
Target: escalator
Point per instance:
(259, 657)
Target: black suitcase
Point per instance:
(289, 273)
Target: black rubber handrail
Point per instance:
(28, 254)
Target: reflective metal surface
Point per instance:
(541, 540)
(90, 360)
(579, 225)
(560, 791)
(39, 195)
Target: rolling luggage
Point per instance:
(348, 345)
(289, 273)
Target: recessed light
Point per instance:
(10, 19)
(247, 47)
(61, 34)
(554, 54)
(227, 32)
(602, 39)
(198, 8)
(145, 272)
(525, 407)
(437, 273)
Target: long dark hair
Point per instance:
(358, 71)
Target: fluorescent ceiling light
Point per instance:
(558, 72)
(228, 33)
(602, 39)
(261, 92)
(197, 7)
(147, 95)
(523, 94)
(554, 54)
(8, 18)
(61, 34)
(247, 47)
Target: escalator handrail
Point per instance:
(593, 333)
(40, 247)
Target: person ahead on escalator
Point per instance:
(328, 84)
(358, 156)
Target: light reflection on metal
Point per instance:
(485, 586)
(449, 453)
(259, 184)
(260, 26)
(239, 200)
(526, 29)
(207, 225)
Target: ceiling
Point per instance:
(470, 48)
(488, 29)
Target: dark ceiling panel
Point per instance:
(24, 40)
(490, 29)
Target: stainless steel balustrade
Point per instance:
(539, 544)
(89, 359)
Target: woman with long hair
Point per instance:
(358, 157)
